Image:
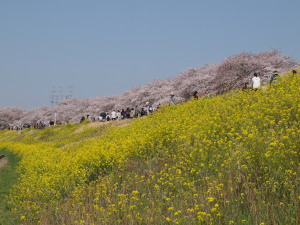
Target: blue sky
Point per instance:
(104, 48)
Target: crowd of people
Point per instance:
(127, 113)
(256, 81)
(130, 113)
(38, 125)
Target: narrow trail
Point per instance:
(8, 177)
(3, 162)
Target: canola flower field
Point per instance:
(229, 159)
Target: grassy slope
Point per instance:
(229, 159)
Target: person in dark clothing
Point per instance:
(274, 77)
(103, 116)
(143, 112)
(82, 119)
(246, 86)
(136, 111)
(195, 95)
(123, 114)
(107, 117)
(294, 72)
(127, 112)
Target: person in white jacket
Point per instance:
(255, 82)
(113, 115)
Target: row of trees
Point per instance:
(233, 72)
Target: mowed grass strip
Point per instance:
(8, 177)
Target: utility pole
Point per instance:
(55, 115)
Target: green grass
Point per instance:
(8, 177)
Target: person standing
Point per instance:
(245, 87)
(274, 77)
(143, 112)
(119, 117)
(149, 108)
(81, 120)
(207, 94)
(255, 81)
(103, 116)
(195, 95)
(172, 100)
(123, 114)
(132, 113)
(127, 112)
(113, 115)
(136, 111)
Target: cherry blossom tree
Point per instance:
(231, 73)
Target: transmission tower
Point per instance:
(70, 92)
(53, 97)
(61, 93)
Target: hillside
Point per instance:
(231, 73)
(230, 159)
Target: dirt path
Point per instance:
(3, 162)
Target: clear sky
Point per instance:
(103, 47)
